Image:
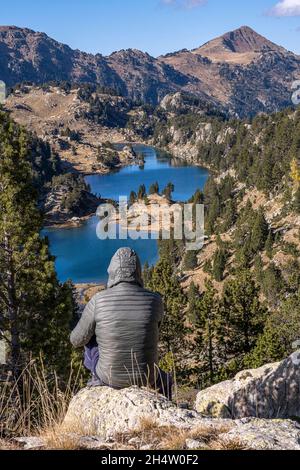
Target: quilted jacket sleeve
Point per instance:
(85, 328)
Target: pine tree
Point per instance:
(213, 205)
(280, 334)
(197, 198)
(141, 192)
(267, 180)
(146, 273)
(172, 251)
(132, 198)
(244, 255)
(268, 349)
(243, 315)
(259, 232)
(296, 204)
(258, 269)
(292, 275)
(272, 284)
(229, 214)
(99, 154)
(35, 310)
(269, 245)
(190, 260)
(219, 260)
(169, 189)
(193, 297)
(207, 332)
(173, 330)
(154, 188)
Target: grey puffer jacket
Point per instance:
(125, 319)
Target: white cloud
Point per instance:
(186, 4)
(286, 8)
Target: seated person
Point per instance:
(119, 329)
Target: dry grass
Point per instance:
(167, 437)
(175, 439)
(228, 444)
(38, 409)
(7, 445)
(65, 436)
(208, 434)
(56, 439)
(36, 406)
(150, 433)
(36, 402)
(147, 424)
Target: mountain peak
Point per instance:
(239, 46)
(245, 39)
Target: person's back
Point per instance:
(125, 319)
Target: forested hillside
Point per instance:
(241, 304)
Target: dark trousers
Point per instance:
(91, 357)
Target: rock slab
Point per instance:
(104, 412)
(270, 392)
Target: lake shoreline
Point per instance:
(82, 256)
(77, 221)
(70, 223)
(86, 290)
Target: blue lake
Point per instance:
(80, 255)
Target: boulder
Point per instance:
(265, 434)
(30, 442)
(104, 411)
(271, 391)
(107, 415)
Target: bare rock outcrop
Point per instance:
(105, 411)
(108, 413)
(271, 391)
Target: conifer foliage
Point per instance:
(35, 309)
(163, 279)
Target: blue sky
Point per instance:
(154, 26)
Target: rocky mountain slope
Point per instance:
(241, 70)
(77, 123)
(244, 71)
(27, 55)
